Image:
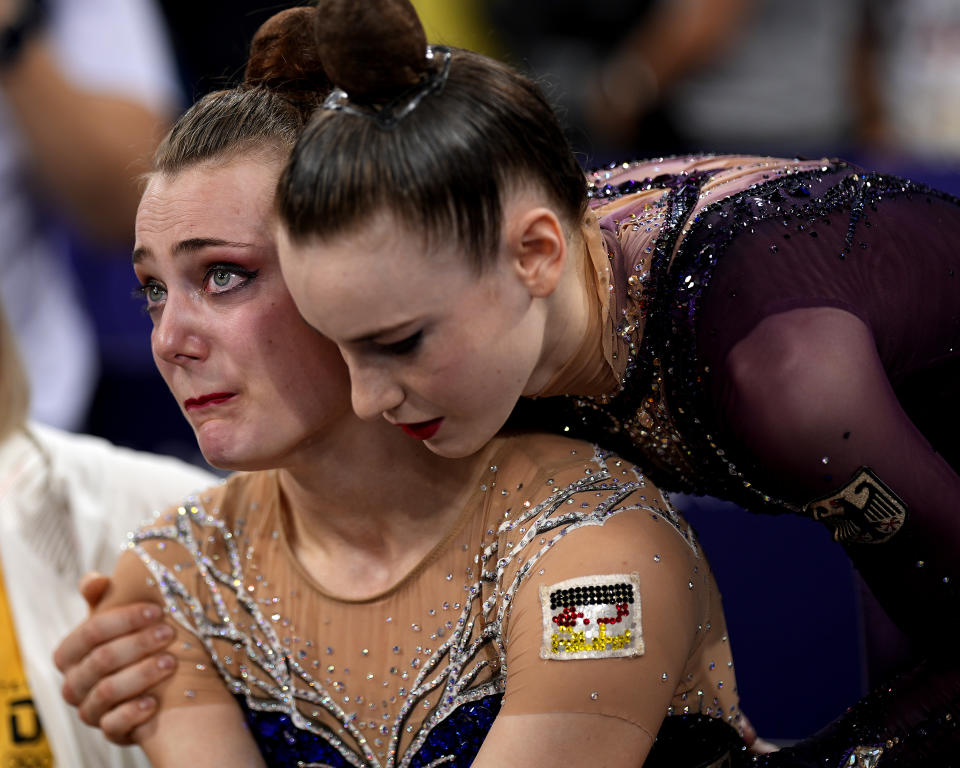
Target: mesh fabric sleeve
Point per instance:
(196, 680)
(685, 662)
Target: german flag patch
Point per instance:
(592, 617)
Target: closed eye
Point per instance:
(403, 346)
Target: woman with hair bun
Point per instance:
(783, 333)
(365, 604)
(352, 600)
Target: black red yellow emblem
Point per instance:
(593, 617)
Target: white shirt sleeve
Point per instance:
(66, 501)
(116, 46)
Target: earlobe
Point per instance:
(538, 249)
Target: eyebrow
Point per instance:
(192, 245)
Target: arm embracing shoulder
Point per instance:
(198, 721)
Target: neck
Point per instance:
(567, 324)
(370, 505)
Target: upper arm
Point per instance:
(624, 696)
(548, 740)
(807, 396)
(195, 702)
(808, 401)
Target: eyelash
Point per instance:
(404, 346)
(140, 292)
(230, 269)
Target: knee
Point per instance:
(796, 384)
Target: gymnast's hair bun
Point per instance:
(372, 49)
(284, 56)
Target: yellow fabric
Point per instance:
(462, 24)
(22, 740)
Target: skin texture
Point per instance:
(425, 337)
(225, 324)
(218, 332)
(212, 286)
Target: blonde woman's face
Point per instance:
(257, 383)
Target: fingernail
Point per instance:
(146, 703)
(165, 662)
(151, 612)
(163, 632)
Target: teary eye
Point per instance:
(152, 293)
(223, 278)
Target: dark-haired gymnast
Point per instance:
(779, 332)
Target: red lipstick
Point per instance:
(214, 398)
(422, 430)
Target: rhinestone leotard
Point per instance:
(415, 676)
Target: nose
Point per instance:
(373, 391)
(177, 336)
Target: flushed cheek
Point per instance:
(176, 392)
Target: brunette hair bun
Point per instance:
(284, 56)
(372, 49)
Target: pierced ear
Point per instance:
(538, 249)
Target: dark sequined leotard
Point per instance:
(786, 334)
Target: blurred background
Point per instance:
(88, 86)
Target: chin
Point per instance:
(454, 449)
(226, 459)
(224, 449)
(234, 461)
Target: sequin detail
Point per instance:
(592, 617)
(447, 687)
(863, 757)
(675, 226)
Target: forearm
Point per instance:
(88, 149)
(546, 740)
(198, 721)
(679, 36)
(212, 734)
